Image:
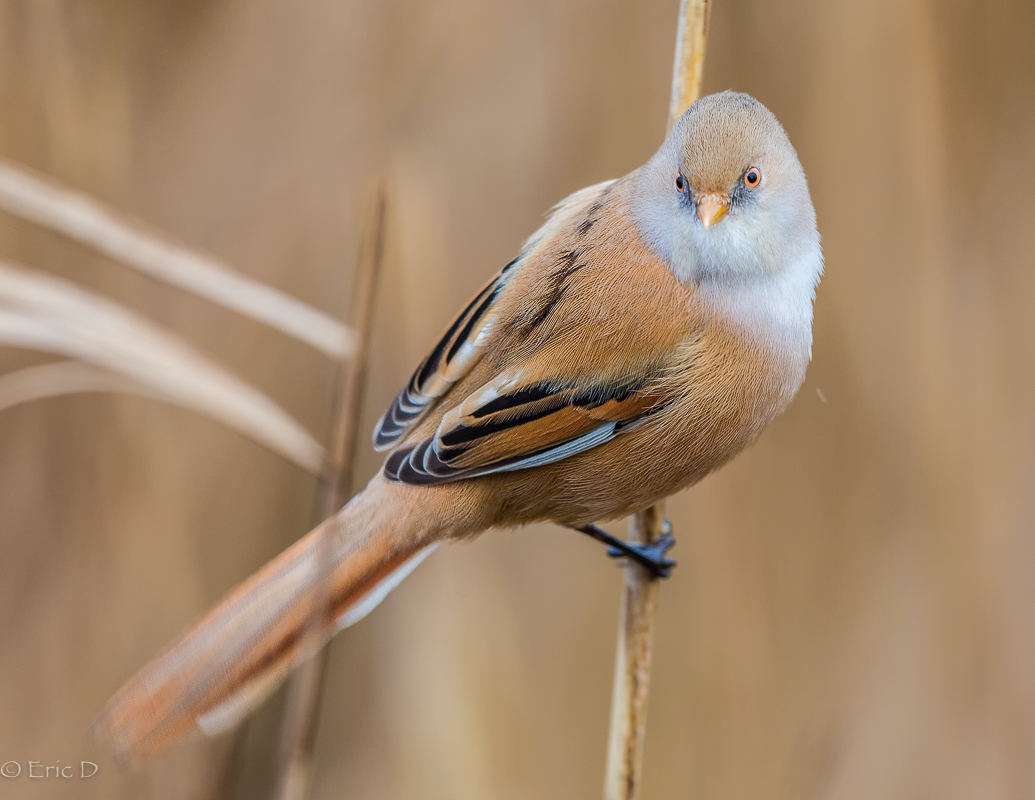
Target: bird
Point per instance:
(646, 334)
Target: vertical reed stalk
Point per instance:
(640, 594)
(305, 689)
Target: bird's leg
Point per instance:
(650, 556)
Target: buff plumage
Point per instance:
(645, 335)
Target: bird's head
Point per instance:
(725, 198)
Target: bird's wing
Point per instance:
(466, 338)
(458, 350)
(516, 423)
(576, 342)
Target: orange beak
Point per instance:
(711, 208)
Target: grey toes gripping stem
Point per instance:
(650, 556)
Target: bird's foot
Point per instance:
(650, 556)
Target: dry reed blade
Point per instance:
(305, 689)
(41, 312)
(62, 378)
(640, 593)
(85, 220)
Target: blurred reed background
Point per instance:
(854, 611)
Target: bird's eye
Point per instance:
(680, 184)
(752, 177)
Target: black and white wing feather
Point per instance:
(456, 352)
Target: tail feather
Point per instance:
(250, 696)
(239, 652)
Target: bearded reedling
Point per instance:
(645, 335)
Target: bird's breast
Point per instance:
(724, 392)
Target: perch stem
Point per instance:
(640, 594)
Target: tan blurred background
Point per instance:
(854, 611)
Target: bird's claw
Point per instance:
(650, 556)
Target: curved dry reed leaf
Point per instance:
(84, 219)
(45, 313)
(64, 378)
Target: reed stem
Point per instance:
(305, 689)
(640, 594)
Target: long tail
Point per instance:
(236, 655)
